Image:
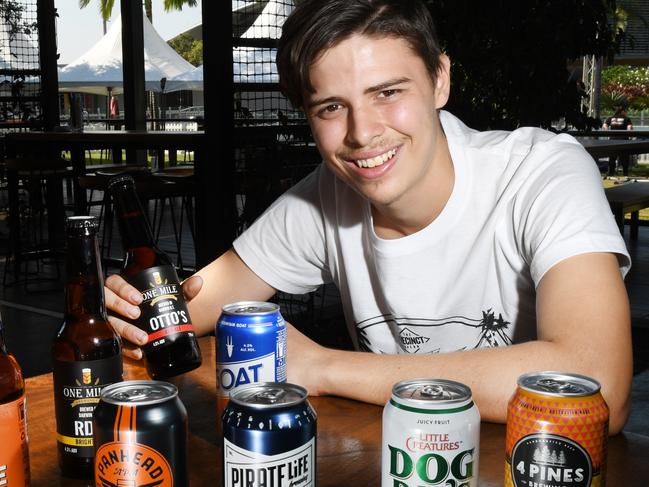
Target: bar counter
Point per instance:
(349, 438)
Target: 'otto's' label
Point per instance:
(243, 468)
(77, 387)
(540, 460)
(164, 314)
(131, 464)
(14, 457)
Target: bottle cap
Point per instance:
(81, 225)
(121, 180)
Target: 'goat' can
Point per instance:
(557, 432)
(431, 435)
(140, 435)
(269, 437)
(251, 347)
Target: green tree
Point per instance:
(106, 7)
(189, 48)
(510, 58)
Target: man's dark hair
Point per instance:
(317, 25)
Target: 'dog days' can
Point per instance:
(140, 436)
(251, 347)
(431, 435)
(557, 432)
(269, 437)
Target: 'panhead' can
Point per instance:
(557, 432)
(431, 435)
(251, 346)
(269, 437)
(140, 436)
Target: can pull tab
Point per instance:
(559, 386)
(270, 396)
(434, 391)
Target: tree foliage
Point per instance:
(510, 58)
(106, 6)
(189, 48)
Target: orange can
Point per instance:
(557, 432)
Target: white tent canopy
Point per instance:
(101, 66)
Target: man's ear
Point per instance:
(442, 81)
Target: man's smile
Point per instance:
(375, 160)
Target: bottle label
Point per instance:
(14, 456)
(164, 315)
(292, 468)
(77, 387)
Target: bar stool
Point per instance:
(180, 184)
(36, 217)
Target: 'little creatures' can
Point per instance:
(251, 347)
(269, 437)
(140, 435)
(557, 432)
(431, 435)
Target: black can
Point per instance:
(140, 435)
(269, 437)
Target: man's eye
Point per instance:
(388, 93)
(329, 110)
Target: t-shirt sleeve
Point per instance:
(561, 210)
(285, 246)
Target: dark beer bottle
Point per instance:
(86, 353)
(172, 348)
(14, 456)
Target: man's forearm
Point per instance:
(491, 374)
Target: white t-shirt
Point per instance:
(522, 201)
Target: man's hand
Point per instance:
(122, 301)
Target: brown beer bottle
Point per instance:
(14, 455)
(172, 348)
(86, 353)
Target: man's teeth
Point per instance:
(376, 161)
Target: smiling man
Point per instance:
(473, 256)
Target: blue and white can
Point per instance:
(251, 346)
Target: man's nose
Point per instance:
(363, 126)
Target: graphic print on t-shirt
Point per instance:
(414, 333)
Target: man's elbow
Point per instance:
(616, 389)
(619, 405)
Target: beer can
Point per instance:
(140, 435)
(251, 346)
(431, 435)
(557, 432)
(269, 437)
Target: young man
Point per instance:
(458, 254)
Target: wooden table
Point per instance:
(349, 438)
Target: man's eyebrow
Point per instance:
(372, 89)
(386, 84)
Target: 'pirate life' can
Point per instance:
(557, 432)
(140, 436)
(431, 435)
(269, 437)
(251, 347)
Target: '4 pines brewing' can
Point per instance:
(269, 437)
(140, 436)
(557, 432)
(431, 435)
(251, 346)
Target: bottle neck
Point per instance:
(3, 345)
(84, 285)
(133, 224)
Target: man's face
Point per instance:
(373, 116)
